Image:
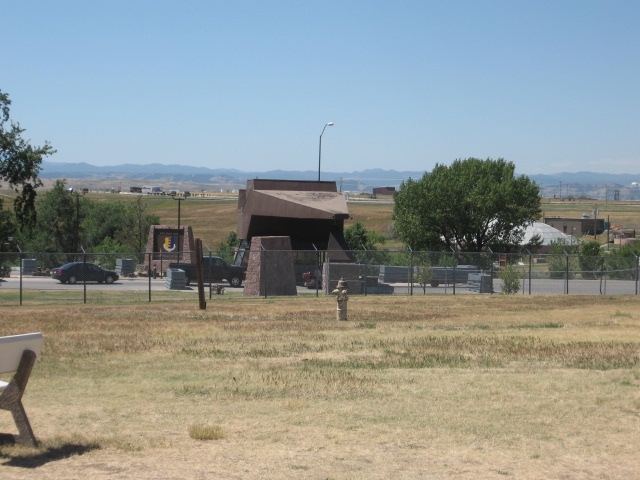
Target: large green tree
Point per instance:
(59, 223)
(7, 229)
(134, 226)
(20, 164)
(7, 226)
(470, 205)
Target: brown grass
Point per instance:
(212, 220)
(464, 386)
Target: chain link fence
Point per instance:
(25, 277)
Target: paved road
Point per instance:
(537, 287)
(48, 283)
(127, 284)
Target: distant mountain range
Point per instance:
(565, 185)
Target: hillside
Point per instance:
(122, 177)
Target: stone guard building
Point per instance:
(310, 213)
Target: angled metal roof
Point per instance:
(296, 204)
(310, 213)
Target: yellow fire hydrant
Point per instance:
(342, 297)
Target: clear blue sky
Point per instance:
(553, 86)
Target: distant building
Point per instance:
(135, 189)
(577, 226)
(546, 234)
(384, 191)
(152, 190)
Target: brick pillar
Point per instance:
(270, 269)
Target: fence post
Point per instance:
(566, 272)
(20, 259)
(84, 273)
(366, 270)
(326, 287)
(530, 263)
(410, 273)
(209, 270)
(317, 272)
(637, 265)
(493, 273)
(202, 304)
(455, 261)
(491, 267)
(263, 279)
(149, 276)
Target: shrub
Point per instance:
(424, 276)
(590, 260)
(510, 276)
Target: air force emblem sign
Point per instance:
(169, 244)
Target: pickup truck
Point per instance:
(214, 269)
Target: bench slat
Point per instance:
(11, 348)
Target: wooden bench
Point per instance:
(18, 353)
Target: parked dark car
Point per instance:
(214, 269)
(79, 272)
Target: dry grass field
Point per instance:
(465, 387)
(213, 219)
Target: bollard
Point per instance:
(342, 297)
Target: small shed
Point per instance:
(577, 226)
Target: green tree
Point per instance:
(621, 264)
(107, 252)
(359, 238)
(59, 222)
(20, 164)
(103, 220)
(534, 243)
(7, 226)
(470, 205)
(226, 249)
(7, 229)
(590, 260)
(134, 226)
(560, 252)
(363, 244)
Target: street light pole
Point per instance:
(329, 124)
(77, 233)
(77, 222)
